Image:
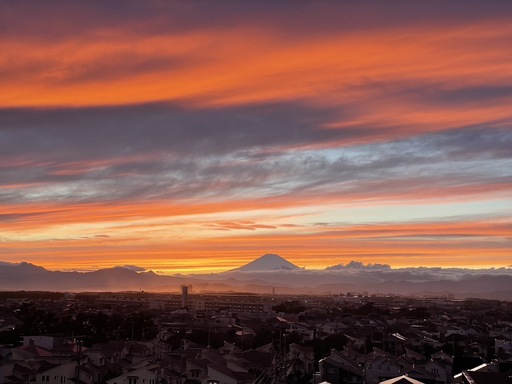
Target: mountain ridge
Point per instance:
(353, 277)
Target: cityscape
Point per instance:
(197, 336)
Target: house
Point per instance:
(381, 368)
(503, 346)
(394, 344)
(401, 380)
(413, 355)
(442, 355)
(442, 369)
(221, 374)
(250, 361)
(139, 376)
(303, 358)
(422, 375)
(325, 329)
(478, 349)
(355, 342)
(306, 332)
(229, 348)
(197, 370)
(95, 357)
(49, 341)
(339, 369)
(66, 373)
(486, 367)
(30, 352)
(16, 373)
(478, 377)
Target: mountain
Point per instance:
(268, 262)
(272, 272)
(22, 268)
(26, 276)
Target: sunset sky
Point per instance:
(193, 137)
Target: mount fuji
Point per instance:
(268, 262)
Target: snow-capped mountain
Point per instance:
(268, 262)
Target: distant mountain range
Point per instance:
(270, 272)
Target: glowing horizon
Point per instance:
(183, 137)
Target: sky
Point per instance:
(193, 137)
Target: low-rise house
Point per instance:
(339, 369)
(442, 355)
(16, 373)
(221, 374)
(325, 329)
(229, 348)
(503, 346)
(413, 355)
(30, 352)
(394, 344)
(478, 377)
(422, 375)
(197, 369)
(355, 342)
(402, 380)
(478, 349)
(303, 358)
(139, 376)
(250, 361)
(304, 330)
(442, 369)
(67, 373)
(381, 368)
(486, 367)
(95, 357)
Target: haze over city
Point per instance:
(194, 137)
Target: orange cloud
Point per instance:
(473, 243)
(231, 66)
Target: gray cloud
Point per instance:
(109, 132)
(429, 93)
(58, 19)
(361, 277)
(159, 151)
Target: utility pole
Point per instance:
(79, 342)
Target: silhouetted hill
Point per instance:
(269, 271)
